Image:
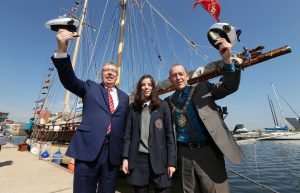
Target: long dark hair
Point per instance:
(139, 99)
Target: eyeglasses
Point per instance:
(106, 70)
(180, 74)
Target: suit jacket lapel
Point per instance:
(172, 99)
(105, 95)
(120, 100)
(138, 117)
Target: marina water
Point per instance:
(275, 164)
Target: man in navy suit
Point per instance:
(97, 144)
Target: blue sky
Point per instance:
(26, 46)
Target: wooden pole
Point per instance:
(245, 64)
(121, 40)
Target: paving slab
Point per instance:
(24, 172)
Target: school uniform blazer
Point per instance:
(204, 100)
(162, 145)
(96, 117)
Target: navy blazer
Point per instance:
(162, 145)
(96, 116)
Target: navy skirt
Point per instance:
(142, 174)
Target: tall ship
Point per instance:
(141, 38)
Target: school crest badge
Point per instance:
(159, 124)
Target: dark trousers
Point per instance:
(202, 170)
(96, 176)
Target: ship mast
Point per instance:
(75, 55)
(121, 39)
(273, 112)
(281, 111)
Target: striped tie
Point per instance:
(111, 107)
(111, 102)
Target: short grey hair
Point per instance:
(174, 65)
(111, 63)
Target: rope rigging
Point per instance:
(172, 24)
(97, 36)
(253, 181)
(116, 14)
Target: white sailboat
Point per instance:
(277, 132)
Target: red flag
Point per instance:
(212, 6)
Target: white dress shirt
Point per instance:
(114, 95)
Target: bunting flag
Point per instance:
(77, 3)
(51, 69)
(42, 100)
(211, 6)
(74, 9)
(48, 75)
(45, 87)
(44, 93)
(38, 112)
(47, 81)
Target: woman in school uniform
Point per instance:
(149, 153)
